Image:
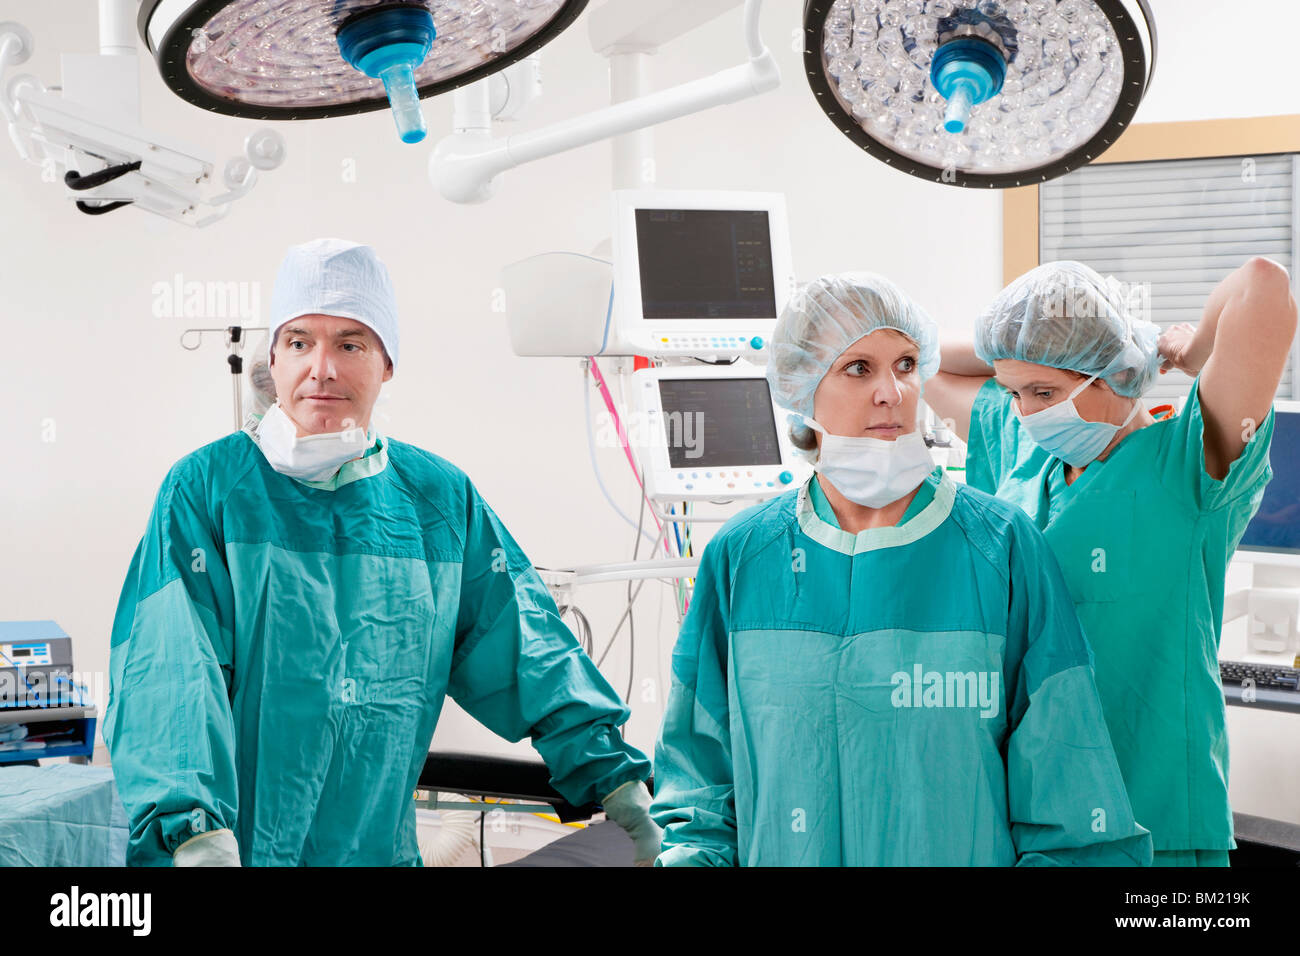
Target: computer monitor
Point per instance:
(698, 272)
(710, 434)
(1274, 532)
(1271, 544)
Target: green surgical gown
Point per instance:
(282, 649)
(1144, 539)
(797, 732)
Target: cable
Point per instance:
(631, 644)
(627, 611)
(688, 584)
(661, 687)
(622, 435)
(76, 181)
(609, 406)
(629, 614)
(669, 533)
(584, 627)
(102, 208)
(591, 451)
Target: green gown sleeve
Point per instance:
(168, 723)
(519, 670)
(993, 442)
(694, 781)
(1066, 796)
(1182, 467)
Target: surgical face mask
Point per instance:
(311, 457)
(873, 472)
(1061, 431)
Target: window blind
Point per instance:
(1173, 230)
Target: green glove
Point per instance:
(629, 807)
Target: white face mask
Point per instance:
(311, 457)
(873, 472)
(1062, 432)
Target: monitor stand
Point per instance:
(1271, 605)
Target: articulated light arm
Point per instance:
(464, 166)
(87, 132)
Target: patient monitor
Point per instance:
(688, 274)
(710, 433)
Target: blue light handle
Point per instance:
(966, 72)
(960, 103)
(388, 42)
(404, 98)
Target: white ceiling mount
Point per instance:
(16, 43)
(619, 27)
(86, 134)
(464, 166)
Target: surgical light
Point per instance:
(980, 92)
(310, 59)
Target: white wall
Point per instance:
(1220, 60)
(86, 350)
(127, 401)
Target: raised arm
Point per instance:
(1239, 349)
(951, 392)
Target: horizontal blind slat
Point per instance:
(1176, 227)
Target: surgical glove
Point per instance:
(214, 848)
(629, 807)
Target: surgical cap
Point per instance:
(825, 317)
(339, 278)
(1065, 315)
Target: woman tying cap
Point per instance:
(881, 667)
(1142, 515)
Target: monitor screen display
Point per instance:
(1276, 526)
(705, 264)
(715, 423)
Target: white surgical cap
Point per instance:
(339, 278)
(1064, 315)
(825, 317)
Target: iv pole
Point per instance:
(235, 338)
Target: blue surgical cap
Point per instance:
(340, 278)
(1065, 315)
(825, 317)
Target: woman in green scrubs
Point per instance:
(881, 668)
(1143, 515)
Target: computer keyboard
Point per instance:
(1264, 675)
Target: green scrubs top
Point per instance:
(1144, 539)
(282, 650)
(914, 695)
